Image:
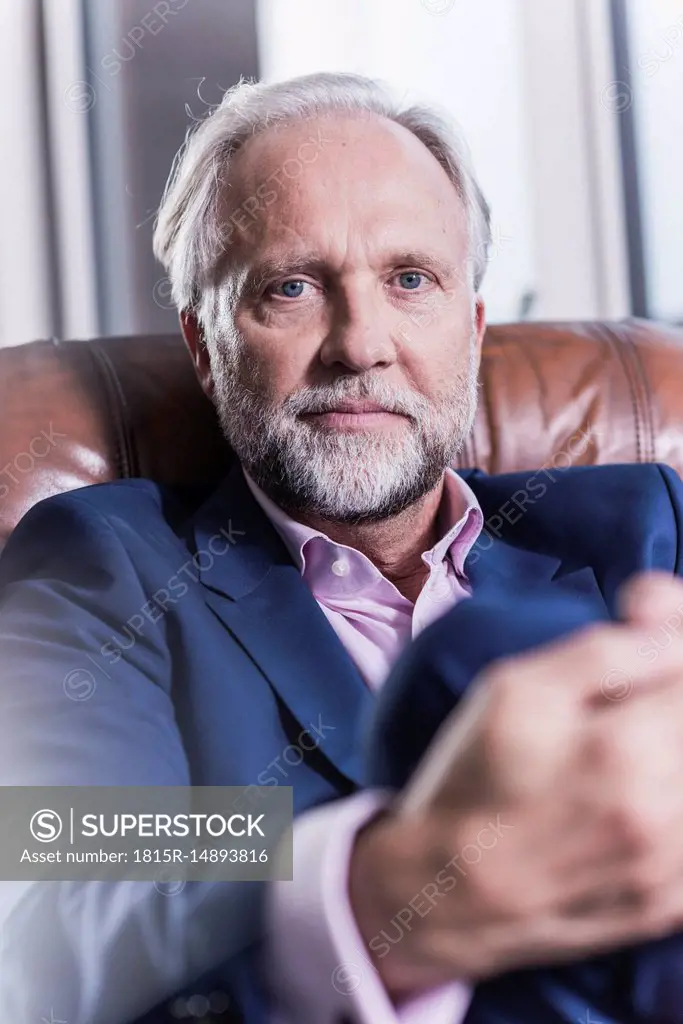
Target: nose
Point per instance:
(359, 338)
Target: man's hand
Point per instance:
(545, 823)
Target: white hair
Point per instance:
(189, 238)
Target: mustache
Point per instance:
(326, 397)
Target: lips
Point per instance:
(353, 416)
(352, 408)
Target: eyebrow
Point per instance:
(269, 267)
(420, 258)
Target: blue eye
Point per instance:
(291, 289)
(410, 280)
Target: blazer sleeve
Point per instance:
(93, 952)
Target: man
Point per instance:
(326, 251)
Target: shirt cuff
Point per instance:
(319, 967)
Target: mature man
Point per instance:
(326, 250)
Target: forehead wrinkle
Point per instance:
(377, 236)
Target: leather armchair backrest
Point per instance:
(85, 412)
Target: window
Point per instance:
(649, 46)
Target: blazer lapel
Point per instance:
(260, 597)
(494, 563)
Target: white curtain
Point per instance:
(47, 264)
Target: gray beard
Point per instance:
(345, 477)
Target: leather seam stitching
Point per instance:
(646, 394)
(621, 348)
(116, 402)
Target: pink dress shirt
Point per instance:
(320, 971)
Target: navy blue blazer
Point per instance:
(163, 636)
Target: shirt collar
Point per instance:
(293, 533)
(460, 515)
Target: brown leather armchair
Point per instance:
(86, 412)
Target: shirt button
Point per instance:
(340, 568)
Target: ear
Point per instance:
(480, 322)
(194, 339)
